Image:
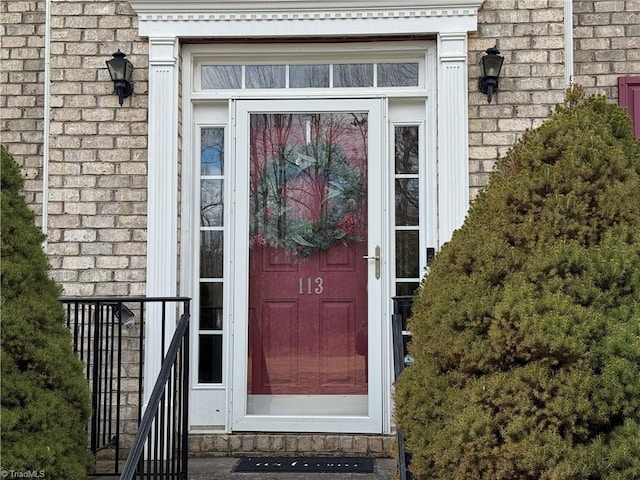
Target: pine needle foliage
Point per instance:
(45, 398)
(526, 332)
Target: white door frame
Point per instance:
(445, 176)
(377, 287)
(165, 22)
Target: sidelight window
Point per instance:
(407, 208)
(210, 326)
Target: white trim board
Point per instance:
(165, 22)
(265, 18)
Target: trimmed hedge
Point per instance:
(45, 397)
(527, 328)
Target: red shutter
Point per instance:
(629, 98)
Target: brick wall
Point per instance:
(97, 162)
(97, 197)
(97, 151)
(530, 35)
(607, 43)
(21, 90)
(256, 444)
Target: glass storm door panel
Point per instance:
(308, 267)
(307, 279)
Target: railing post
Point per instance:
(184, 434)
(150, 417)
(401, 310)
(119, 390)
(95, 380)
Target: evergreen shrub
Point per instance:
(45, 397)
(526, 331)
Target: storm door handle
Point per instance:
(375, 257)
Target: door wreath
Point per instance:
(307, 198)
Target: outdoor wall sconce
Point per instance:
(490, 65)
(120, 70)
(124, 314)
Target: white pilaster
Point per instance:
(162, 198)
(453, 133)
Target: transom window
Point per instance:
(339, 75)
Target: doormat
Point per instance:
(306, 464)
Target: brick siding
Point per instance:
(22, 90)
(97, 200)
(97, 157)
(607, 43)
(530, 35)
(98, 150)
(97, 162)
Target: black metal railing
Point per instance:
(109, 337)
(160, 449)
(401, 337)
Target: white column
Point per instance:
(162, 199)
(453, 133)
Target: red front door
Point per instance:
(308, 236)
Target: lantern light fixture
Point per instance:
(120, 70)
(490, 65)
(123, 314)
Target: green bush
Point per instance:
(527, 329)
(45, 398)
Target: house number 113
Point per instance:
(313, 285)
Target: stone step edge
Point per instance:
(261, 444)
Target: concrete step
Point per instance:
(220, 468)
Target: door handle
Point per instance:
(375, 257)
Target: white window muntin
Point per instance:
(210, 325)
(374, 53)
(326, 75)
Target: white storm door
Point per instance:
(309, 269)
